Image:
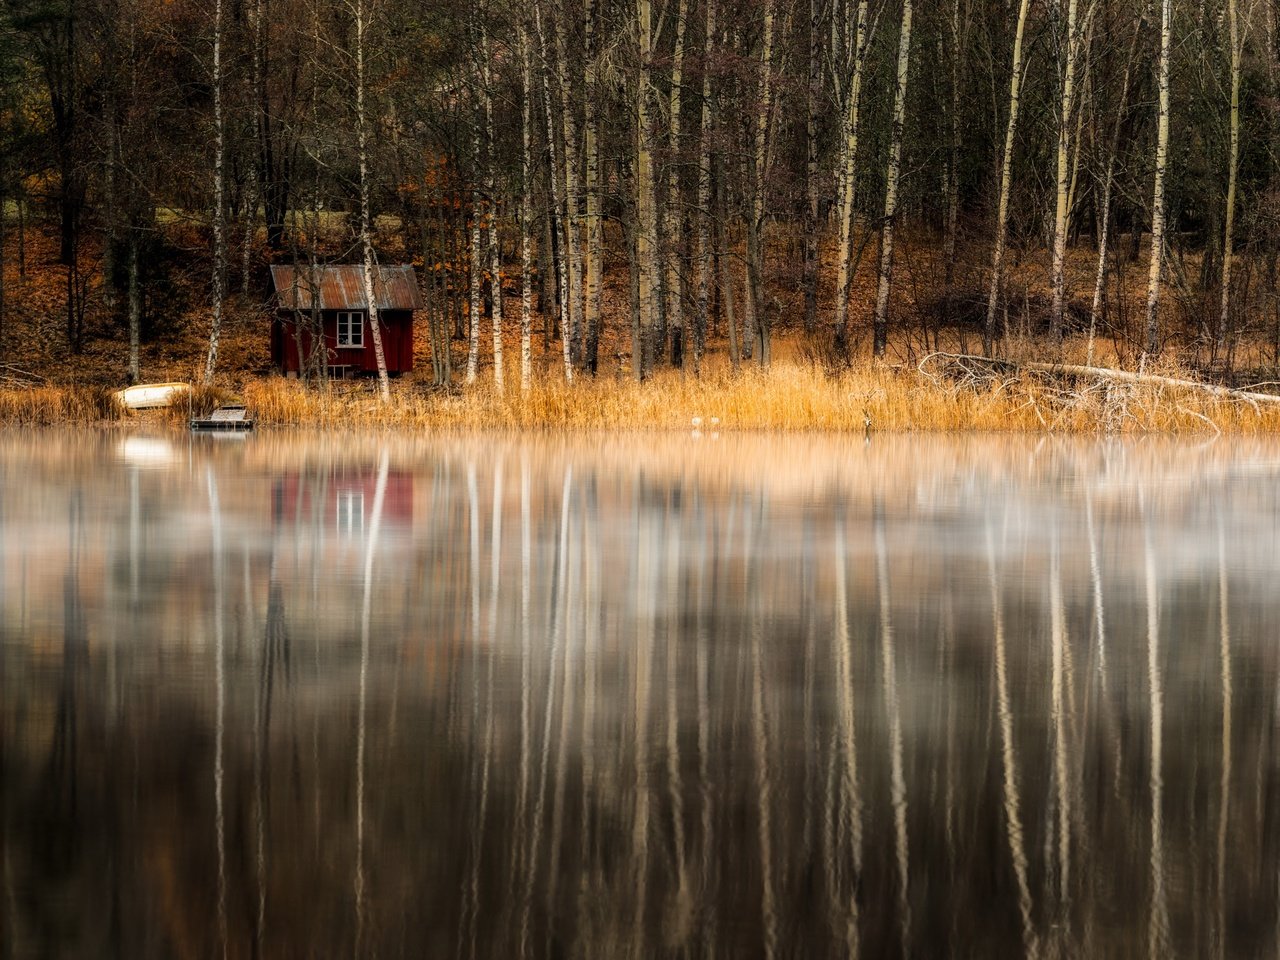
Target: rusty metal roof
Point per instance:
(342, 287)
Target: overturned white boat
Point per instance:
(152, 396)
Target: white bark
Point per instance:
(366, 223)
(1006, 182)
(1162, 162)
(848, 175)
(558, 220)
(495, 245)
(1108, 186)
(674, 213)
(595, 227)
(526, 214)
(574, 331)
(704, 195)
(647, 228)
(757, 317)
(891, 185)
(1233, 171)
(1062, 210)
(219, 201)
(135, 308)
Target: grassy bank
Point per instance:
(792, 396)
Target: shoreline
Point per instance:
(789, 397)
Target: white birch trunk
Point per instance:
(595, 224)
(560, 226)
(647, 228)
(1162, 163)
(495, 245)
(526, 214)
(812, 94)
(704, 194)
(848, 178)
(574, 330)
(135, 308)
(1108, 186)
(366, 223)
(881, 334)
(1006, 182)
(1233, 170)
(219, 201)
(758, 321)
(1062, 208)
(674, 213)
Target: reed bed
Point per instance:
(40, 406)
(791, 396)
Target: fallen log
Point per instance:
(1104, 373)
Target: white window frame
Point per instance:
(354, 322)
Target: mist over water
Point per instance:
(638, 695)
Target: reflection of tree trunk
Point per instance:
(366, 611)
(1058, 631)
(220, 698)
(1009, 758)
(760, 745)
(1158, 930)
(706, 878)
(674, 615)
(898, 783)
(1100, 627)
(568, 686)
(848, 748)
(646, 604)
(477, 843)
(522, 795)
(1224, 793)
(557, 607)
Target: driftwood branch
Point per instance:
(968, 362)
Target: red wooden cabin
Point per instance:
(344, 313)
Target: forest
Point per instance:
(620, 186)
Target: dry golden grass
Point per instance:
(788, 397)
(47, 405)
(791, 396)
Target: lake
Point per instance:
(638, 695)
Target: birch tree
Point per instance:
(704, 191)
(674, 213)
(554, 215)
(892, 176)
(366, 221)
(495, 245)
(526, 213)
(595, 225)
(847, 179)
(219, 202)
(1006, 181)
(647, 229)
(757, 318)
(1062, 210)
(1233, 172)
(813, 93)
(1108, 186)
(1158, 198)
(574, 333)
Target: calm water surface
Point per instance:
(307, 696)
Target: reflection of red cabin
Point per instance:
(344, 499)
(344, 313)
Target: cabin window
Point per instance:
(351, 328)
(350, 513)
